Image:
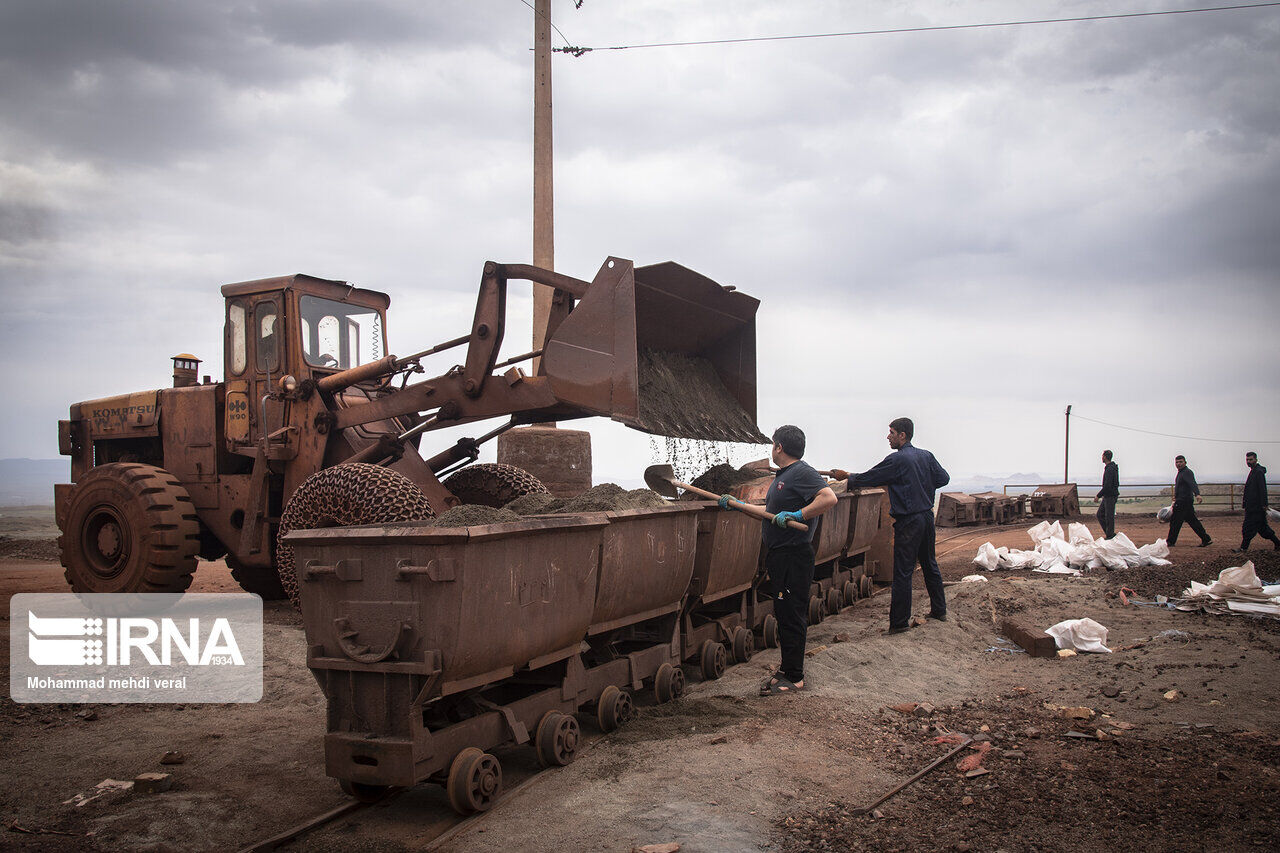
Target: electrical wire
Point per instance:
(566, 48)
(579, 51)
(1170, 435)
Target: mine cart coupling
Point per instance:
(662, 479)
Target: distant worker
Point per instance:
(1186, 494)
(797, 493)
(1108, 495)
(1255, 505)
(913, 476)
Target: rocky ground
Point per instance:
(1168, 743)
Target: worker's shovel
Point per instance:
(662, 479)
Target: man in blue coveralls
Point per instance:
(797, 493)
(912, 475)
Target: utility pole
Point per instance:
(1066, 453)
(560, 458)
(544, 247)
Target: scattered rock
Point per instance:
(813, 651)
(1078, 713)
(977, 771)
(1066, 653)
(905, 708)
(842, 637)
(877, 814)
(1172, 696)
(88, 715)
(966, 801)
(152, 783)
(1014, 753)
(173, 757)
(719, 739)
(924, 709)
(1111, 691)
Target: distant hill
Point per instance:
(29, 482)
(994, 482)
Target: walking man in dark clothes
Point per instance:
(913, 476)
(1255, 505)
(1186, 494)
(1107, 496)
(797, 493)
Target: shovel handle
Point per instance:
(749, 509)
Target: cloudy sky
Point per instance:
(972, 227)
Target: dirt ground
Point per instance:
(724, 769)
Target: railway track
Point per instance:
(443, 827)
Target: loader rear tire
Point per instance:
(130, 528)
(354, 493)
(494, 484)
(263, 581)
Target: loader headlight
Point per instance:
(288, 384)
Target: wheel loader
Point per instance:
(311, 395)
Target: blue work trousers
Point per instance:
(913, 542)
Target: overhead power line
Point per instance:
(1170, 435)
(579, 51)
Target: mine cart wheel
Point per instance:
(833, 601)
(354, 493)
(668, 683)
(713, 658)
(130, 528)
(557, 739)
(614, 708)
(815, 610)
(744, 645)
(262, 581)
(864, 585)
(362, 792)
(850, 593)
(475, 781)
(494, 484)
(769, 632)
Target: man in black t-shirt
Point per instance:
(797, 493)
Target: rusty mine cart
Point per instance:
(162, 477)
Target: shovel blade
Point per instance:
(661, 478)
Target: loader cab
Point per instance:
(292, 326)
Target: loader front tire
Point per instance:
(494, 484)
(129, 528)
(354, 493)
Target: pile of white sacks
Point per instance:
(1237, 590)
(1071, 554)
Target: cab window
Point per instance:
(268, 342)
(338, 336)
(237, 340)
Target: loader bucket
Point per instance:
(661, 349)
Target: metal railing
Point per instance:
(1139, 497)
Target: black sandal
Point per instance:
(782, 684)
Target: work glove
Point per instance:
(724, 502)
(783, 517)
(839, 474)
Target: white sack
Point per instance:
(1165, 513)
(973, 579)
(1083, 635)
(1045, 530)
(989, 556)
(1078, 534)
